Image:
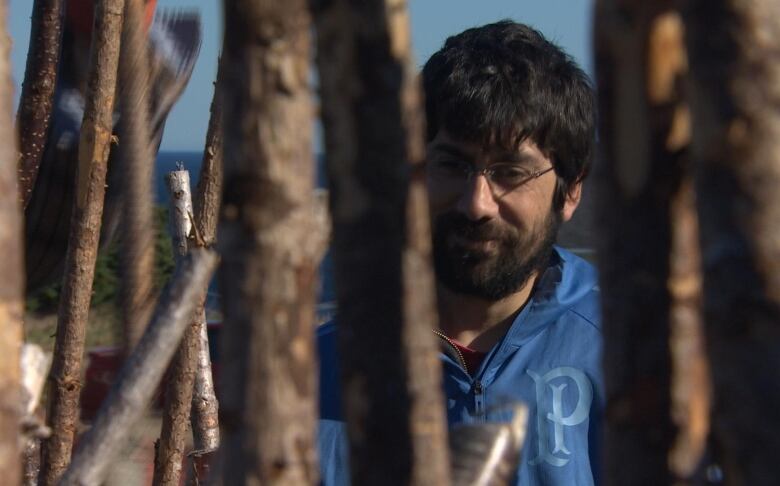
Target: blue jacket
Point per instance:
(550, 359)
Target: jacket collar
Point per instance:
(565, 281)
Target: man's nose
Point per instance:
(477, 201)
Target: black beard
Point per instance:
(491, 277)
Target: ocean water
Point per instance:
(168, 161)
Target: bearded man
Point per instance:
(510, 140)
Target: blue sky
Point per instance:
(566, 22)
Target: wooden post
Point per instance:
(94, 146)
(657, 397)
(269, 265)
(40, 80)
(136, 163)
(11, 267)
(204, 417)
(178, 393)
(734, 46)
(374, 134)
(141, 373)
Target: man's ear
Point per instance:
(573, 196)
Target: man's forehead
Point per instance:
(523, 151)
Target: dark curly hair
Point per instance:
(504, 83)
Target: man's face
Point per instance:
(490, 236)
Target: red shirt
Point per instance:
(472, 358)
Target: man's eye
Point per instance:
(509, 173)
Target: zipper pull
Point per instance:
(479, 403)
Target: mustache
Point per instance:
(456, 223)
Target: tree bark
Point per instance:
(32, 463)
(136, 164)
(40, 80)
(94, 146)
(12, 284)
(141, 373)
(205, 408)
(209, 190)
(181, 379)
(374, 134)
(649, 273)
(269, 262)
(734, 46)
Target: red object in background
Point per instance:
(104, 364)
(79, 13)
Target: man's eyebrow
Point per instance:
(450, 149)
(513, 157)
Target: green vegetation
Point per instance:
(104, 319)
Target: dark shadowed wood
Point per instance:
(181, 378)
(644, 253)
(205, 408)
(136, 164)
(40, 78)
(269, 271)
(735, 68)
(94, 145)
(12, 283)
(140, 375)
(374, 133)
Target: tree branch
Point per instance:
(37, 98)
(94, 145)
(181, 378)
(205, 408)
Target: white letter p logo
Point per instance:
(554, 411)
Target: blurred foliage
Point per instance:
(105, 288)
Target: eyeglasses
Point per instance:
(453, 175)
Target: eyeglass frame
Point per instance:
(470, 171)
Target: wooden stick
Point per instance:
(488, 454)
(136, 164)
(209, 190)
(141, 373)
(12, 270)
(178, 393)
(205, 417)
(735, 74)
(94, 146)
(374, 134)
(37, 98)
(269, 263)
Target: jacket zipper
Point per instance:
(479, 402)
(457, 351)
